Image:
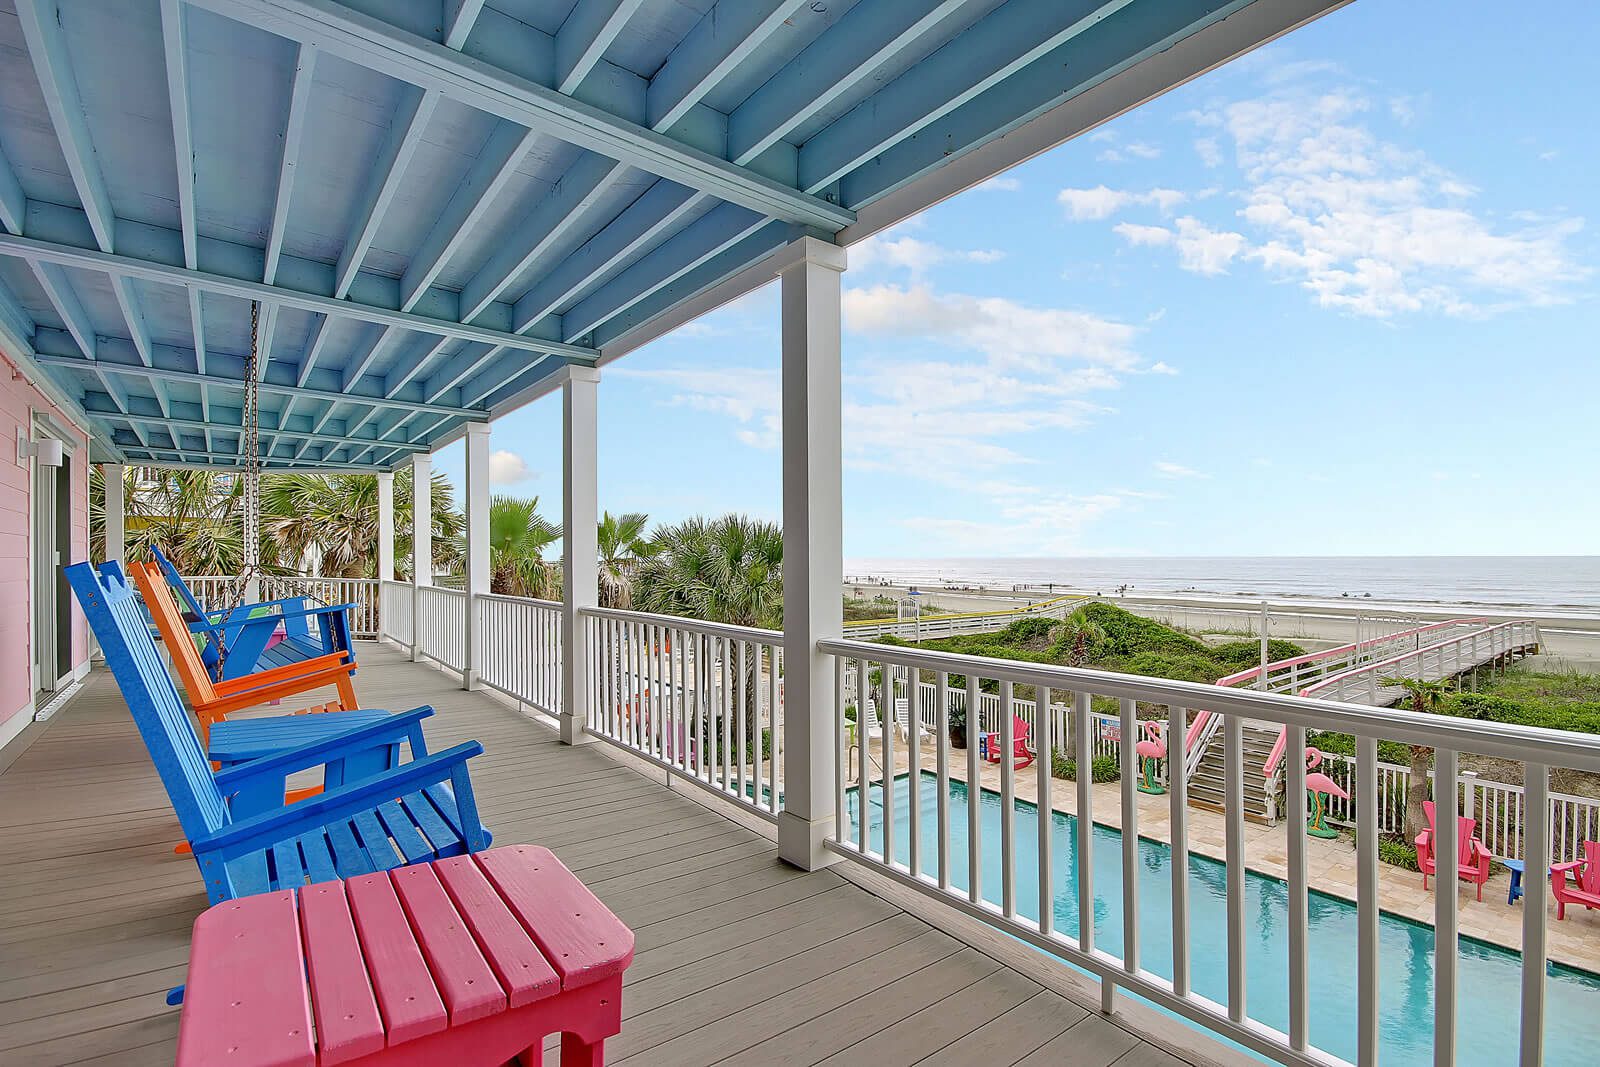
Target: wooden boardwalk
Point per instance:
(740, 958)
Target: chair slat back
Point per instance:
(132, 657)
(190, 602)
(174, 631)
(1591, 868)
(1466, 838)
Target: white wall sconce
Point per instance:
(48, 452)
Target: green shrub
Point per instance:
(1030, 629)
(1398, 853)
(1581, 717)
(1101, 769)
(1345, 745)
(1242, 654)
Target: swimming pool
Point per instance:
(1489, 976)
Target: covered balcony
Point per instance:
(310, 235)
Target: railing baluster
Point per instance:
(1535, 914)
(1445, 940)
(1128, 711)
(863, 758)
(1043, 746)
(913, 724)
(1367, 904)
(1008, 804)
(1233, 804)
(1178, 807)
(841, 745)
(941, 712)
(886, 732)
(974, 795)
(739, 694)
(775, 728)
(1085, 827)
(1295, 787)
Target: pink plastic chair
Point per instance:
(1472, 859)
(1585, 885)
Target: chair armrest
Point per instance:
(321, 609)
(342, 744)
(1563, 868)
(270, 827)
(332, 664)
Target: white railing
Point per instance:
(519, 649)
(215, 591)
(441, 626)
(929, 627)
(395, 612)
(1447, 658)
(1003, 860)
(702, 700)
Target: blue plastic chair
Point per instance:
(239, 641)
(245, 839)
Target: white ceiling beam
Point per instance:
(507, 147)
(461, 16)
(177, 423)
(27, 248)
(584, 37)
(724, 37)
(289, 162)
(41, 29)
(405, 134)
(340, 30)
(174, 37)
(13, 204)
(559, 213)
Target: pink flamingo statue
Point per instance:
(1151, 750)
(1317, 784)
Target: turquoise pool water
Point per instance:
(1489, 976)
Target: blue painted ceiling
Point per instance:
(440, 204)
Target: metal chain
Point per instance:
(251, 457)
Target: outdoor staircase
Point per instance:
(1206, 784)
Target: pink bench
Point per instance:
(468, 960)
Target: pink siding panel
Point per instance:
(18, 401)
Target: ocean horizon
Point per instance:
(1570, 583)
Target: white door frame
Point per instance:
(42, 425)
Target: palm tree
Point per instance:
(518, 538)
(193, 515)
(333, 519)
(727, 570)
(1425, 696)
(623, 545)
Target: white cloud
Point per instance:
(1370, 226)
(1046, 524)
(1009, 333)
(748, 395)
(1101, 202)
(507, 468)
(1160, 367)
(893, 251)
(1209, 151)
(1130, 151)
(1166, 469)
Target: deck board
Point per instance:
(739, 958)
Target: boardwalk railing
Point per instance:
(929, 627)
(395, 601)
(519, 649)
(441, 626)
(1000, 873)
(702, 700)
(216, 591)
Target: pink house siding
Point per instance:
(19, 400)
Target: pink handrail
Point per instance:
(1197, 727)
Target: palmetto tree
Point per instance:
(1424, 696)
(623, 546)
(194, 515)
(333, 519)
(518, 539)
(727, 570)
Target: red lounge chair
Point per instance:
(1472, 859)
(1585, 886)
(1021, 733)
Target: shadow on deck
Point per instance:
(739, 956)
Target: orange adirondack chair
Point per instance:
(1585, 886)
(214, 701)
(1472, 859)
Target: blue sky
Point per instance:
(1336, 298)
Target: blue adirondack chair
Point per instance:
(245, 839)
(240, 641)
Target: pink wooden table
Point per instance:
(463, 961)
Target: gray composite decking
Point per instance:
(739, 957)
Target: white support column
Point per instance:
(385, 526)
(421, 541)
(813, 549)
(115, 511)
(580, 567)
(477, 543)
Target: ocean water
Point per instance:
(1488, 977)
(1561, 583)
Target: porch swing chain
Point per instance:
(250, 447)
